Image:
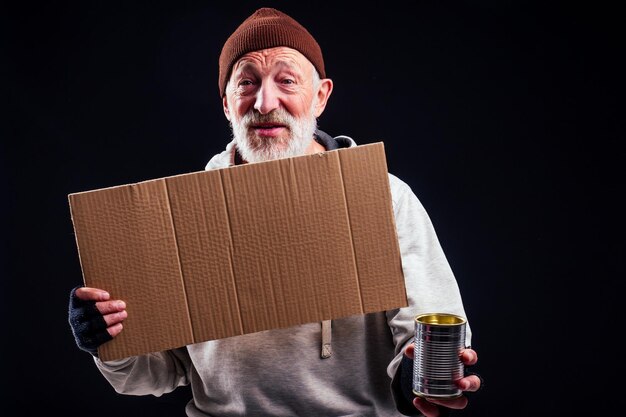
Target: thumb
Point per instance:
(410, 351)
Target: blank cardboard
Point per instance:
(215, 254)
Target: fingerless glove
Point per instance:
(87, 323)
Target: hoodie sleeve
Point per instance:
(430, 283)
(152, 374)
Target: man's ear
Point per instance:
(225, 107)
(324, 91)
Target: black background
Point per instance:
(505, 117)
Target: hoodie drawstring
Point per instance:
(327, 335)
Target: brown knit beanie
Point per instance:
(268, 28)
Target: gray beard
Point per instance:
(255, 149)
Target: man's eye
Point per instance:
(245, 82)
(288, 81)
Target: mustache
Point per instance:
(277, 117)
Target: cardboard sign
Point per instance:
(215, 254)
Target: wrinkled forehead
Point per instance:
(271, 59)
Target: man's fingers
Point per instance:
(426, 407)
(469, 357)
(108, 307)
(115, 318)
(410, 351)
(115, 329)
(92, 294)
(457, 403)
(470, 383)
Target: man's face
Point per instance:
(273, 99)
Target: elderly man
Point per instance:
(274, 87)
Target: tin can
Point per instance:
(439, 339)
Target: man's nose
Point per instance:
(267, 98)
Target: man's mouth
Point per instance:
(267, 129)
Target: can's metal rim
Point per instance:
(440, 319)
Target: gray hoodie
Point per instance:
(343, 368)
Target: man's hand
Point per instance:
(470, 383)
(94, 317)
